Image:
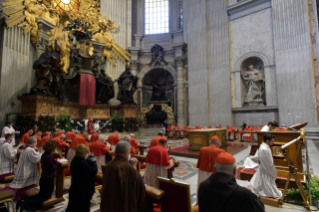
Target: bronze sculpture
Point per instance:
(104, 88)
(127, 86)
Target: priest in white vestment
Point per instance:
(8, 129)
(158, 163)
(252, 161)
(263, 182)
(27, 174)
(7, 156)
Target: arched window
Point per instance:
(156, 16)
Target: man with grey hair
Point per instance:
(206, 159)
(61, 143)
(26, 174)
(222, 193)
(99, 149)
(123, 188)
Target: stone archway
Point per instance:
(156, 86)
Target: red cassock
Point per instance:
(158, 155)
(155, 141)
(70, 136)
(24, 138)
(87, 90)
(98, 148)
(191, 128)
(207, 155)
(94, 137)
(90, 126)
(58, 134)
(62, 144)
(38, 138)
(198, 128)
(113, 139)
(134, 143)
(78, 140)
(42, 141)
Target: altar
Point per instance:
(201, 138)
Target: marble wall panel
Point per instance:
(16, 73)
(121, 12)
(293, 62)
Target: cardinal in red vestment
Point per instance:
(114, 139)
(45, 138)
(70, 135)
(94, 137)
(25, 137)
(80, 139)
(61, 143)
(38, 136)
(158, 163)
(134, 143)
(99, 149)
(206, 159)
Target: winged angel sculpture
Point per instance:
(25, 13)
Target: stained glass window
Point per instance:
(156, 16)
(67, 5)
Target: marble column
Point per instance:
(180, 92)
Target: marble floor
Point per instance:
(187, 173)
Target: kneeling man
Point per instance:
(263, 182)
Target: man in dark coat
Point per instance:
(83, 170)
(123, 189)
(221, 193)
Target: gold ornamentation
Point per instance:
(89, 13)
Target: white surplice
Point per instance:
(71, 155)
(263, 182)
(100, 160)
(27, 170)
(8, 130)
(2, 139)
(7, 156)
(153, 171)
(252, 162)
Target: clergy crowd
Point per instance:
(123, 187)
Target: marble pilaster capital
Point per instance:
(134, 64)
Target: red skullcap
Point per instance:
(163, 138)
(116, 132)
(214, 138)
(30, 130)
(225, 158)
(47, 132)
(85, 133)
(39, 132)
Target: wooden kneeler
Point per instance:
(58, 190)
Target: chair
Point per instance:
(7, 197)
(177, 196)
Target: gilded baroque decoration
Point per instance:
(170, 114)
(62, 15)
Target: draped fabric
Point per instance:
(87, 90)
(70, 136)
(263, 182)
